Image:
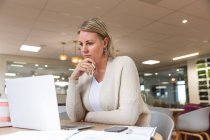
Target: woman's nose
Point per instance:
(84, 49)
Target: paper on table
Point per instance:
(147, 131)
(102, 135)
(39, 135)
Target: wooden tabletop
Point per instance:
(7, 130)
(176, 109)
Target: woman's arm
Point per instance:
(74, 107)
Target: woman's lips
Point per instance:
(87, 56)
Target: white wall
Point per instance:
(2, 74)
(192, 81)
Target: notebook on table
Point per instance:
(33, 103)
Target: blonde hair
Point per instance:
(96, 25)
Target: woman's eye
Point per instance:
(89, 44)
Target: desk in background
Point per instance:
(176, 112)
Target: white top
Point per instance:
(94, 97)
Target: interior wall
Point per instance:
(192, 81)
(191, 70)
(2, 75)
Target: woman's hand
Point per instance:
(85, 66)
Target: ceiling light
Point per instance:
(17, 62)
(147, 74)
(29, 48)
(61, 83)
(76, 59)
(56, 76)
(16, 65)
(40, 68)
(164, 83)
(173, 79)
(71, 69)
(151, 62)
(160, 87)
(63, 56)
(185, 56)
(206, 41)
(184, 21)
(10, 74)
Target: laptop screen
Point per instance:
(33, 103)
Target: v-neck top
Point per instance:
(94, 95)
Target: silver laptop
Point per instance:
(33, 104)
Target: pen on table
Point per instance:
(73, 134)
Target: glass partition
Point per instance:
(22, 69)
(165, 88)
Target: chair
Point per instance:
(163, 123)
(161, 110)
(193, 123)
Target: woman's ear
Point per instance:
(106, 41)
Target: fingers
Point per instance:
(87, 66)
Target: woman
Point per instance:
(104, 88)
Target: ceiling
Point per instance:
(141, 29)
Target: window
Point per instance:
(166, 88)
(22, 69)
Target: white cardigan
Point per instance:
(120, 96)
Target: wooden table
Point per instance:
(7, 130)
(176, 112)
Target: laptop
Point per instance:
(33, 104)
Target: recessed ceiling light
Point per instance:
(185, 56)
(56, 76)
(206, 41)
(164, 83)
(18, 62)
(150, 62)
(184, 21)
(61, 83)
(10, 74)
(29, 48)
(173, 79)
(16, 65)
(40, 68)
(71, 69)
(147, 74)
(160, 87)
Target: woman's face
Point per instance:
(91, 45)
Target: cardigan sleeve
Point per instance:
(130, 105)
(74, 106)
